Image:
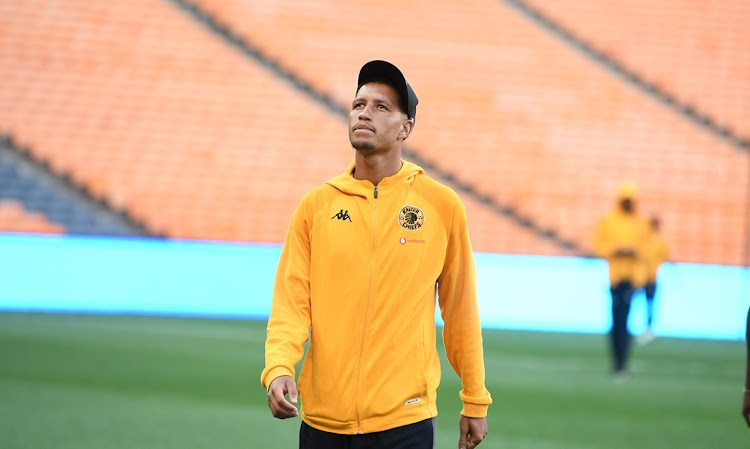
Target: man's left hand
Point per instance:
(472, 432)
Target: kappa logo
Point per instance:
(411, 218)
(342, 215)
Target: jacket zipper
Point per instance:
(367, 310)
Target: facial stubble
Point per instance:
(362, 145)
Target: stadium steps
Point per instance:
(687, 55)
(35, 199)
(163, 119)
(159, 117)
(554, 147)
(523, 233)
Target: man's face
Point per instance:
(376, 121)
(627, 205)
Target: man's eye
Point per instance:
(358, 105)
(382, 107)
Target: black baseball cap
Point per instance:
(383, 71)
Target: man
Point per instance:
(621, 237)
(655, 253)
(746, 396)
(365, 255)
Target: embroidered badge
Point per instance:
(411, 218)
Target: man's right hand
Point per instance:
(625, 252)
(280, 407)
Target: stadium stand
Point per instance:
(149, 111)
(34, 188)
(149, 108)
(694, 49)
(222, 175)
(554, 145)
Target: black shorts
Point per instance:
(420, 435)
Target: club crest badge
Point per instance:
(411, 218)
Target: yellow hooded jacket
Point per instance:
(619, 230)
(358, 275)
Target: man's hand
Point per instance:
(280, 407)
(626, 252)
(472, 432)
(746, 407)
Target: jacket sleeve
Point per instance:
(289, 323)
(462, 333)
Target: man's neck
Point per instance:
(374, 166)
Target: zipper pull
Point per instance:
(376, 192)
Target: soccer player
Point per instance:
(621, 237)
(364, 257)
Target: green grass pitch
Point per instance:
(87, 381)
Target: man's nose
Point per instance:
(364, 113)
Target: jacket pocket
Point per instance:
(395, 379)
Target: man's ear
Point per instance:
(406, 127)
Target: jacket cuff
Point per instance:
(275, 373)
(475, 410)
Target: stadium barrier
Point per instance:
(76, 274)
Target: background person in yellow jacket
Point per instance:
(621, 238)
(363, 260)
(655, 253)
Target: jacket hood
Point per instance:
(346, 183)
(627, 190)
